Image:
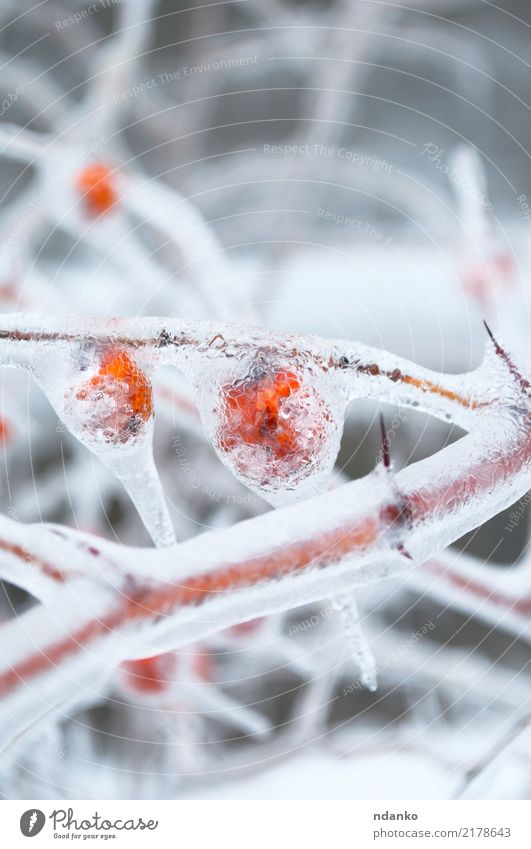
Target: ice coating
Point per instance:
(272, 404)
(114, 404)
(274, 423)
(137, 472)
(103, 394)
(347, 607)
(341, 371)
(328, 546)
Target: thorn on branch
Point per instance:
(403, 551)
(395, 514)
(504, 356)
(386, 453)
(218, 340)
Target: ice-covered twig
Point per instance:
(86, 367)
(296, 555)
(359, 370)
(497, 595)
(43, 563)
(279, 398)
(99, 111)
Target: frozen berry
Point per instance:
(96, 185)
(116, 402)
(272, 427)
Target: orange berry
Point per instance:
(119, 366)
(116, 401)
(253, 413)
(273, 428)
(273, 425)
(96, 184)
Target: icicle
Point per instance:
(105, 399)
(345, 604)
(138, 475)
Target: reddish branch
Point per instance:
(477, 591)
(417, 511)
(48, 570)
(329, 544)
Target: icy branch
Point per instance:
(358, 370)
(160, 600)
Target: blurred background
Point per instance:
(354, 169)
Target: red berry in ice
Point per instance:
(253, 414)
(117, 401)
(96, 185)
(272, 425)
